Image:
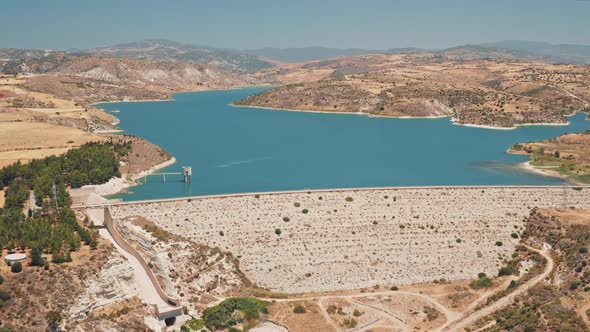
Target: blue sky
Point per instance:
(376, 24)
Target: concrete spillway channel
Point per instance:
(148, 286)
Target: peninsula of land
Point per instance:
(566, 156)
(493, 93)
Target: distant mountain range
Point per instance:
(250, 61)
(567, 53)
(515, 49)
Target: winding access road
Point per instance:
(467, 319)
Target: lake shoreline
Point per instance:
(550, 173)
(118, 185)
(342, 113)
(543, 171)
(452, 119)
(139, 194)
(170, 97)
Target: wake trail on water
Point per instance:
(241, 162)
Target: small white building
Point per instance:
(14, 258)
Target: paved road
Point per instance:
(146, 289)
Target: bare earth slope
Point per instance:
(171, 74)
(93, 79)
(498, 93)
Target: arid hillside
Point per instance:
(91, 78)
(109, 75)
(163, 74)
(498, 93)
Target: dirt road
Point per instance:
(467, 319)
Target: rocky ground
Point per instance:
(126, 315)
(95, 279)
(195, 273)
(326, 241)
(114, 282)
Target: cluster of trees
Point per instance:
(92, 163)
(222, 316)
(482, 282)
(53, 227)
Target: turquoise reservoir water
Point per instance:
(235, 150)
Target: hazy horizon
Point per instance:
(372, 24)
(338, 48)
